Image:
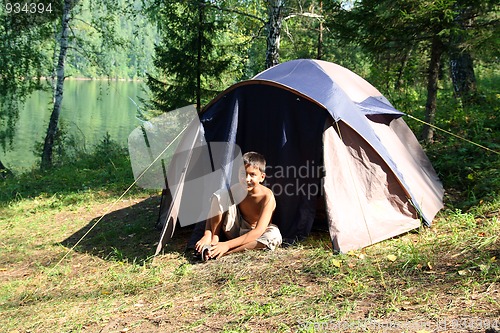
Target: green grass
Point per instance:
(65, 268)
(109, 283)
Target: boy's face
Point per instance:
(251, 176)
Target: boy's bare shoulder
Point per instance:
(268, 195)
(267, 191)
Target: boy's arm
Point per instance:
(212, 226)
(252, 235)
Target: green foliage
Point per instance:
(111, 39)
(301, 30)
(24, 58)
(470, 174)
(66, 149)
(395, 38)
(447, 272)
(396, 34)
(383, 41)
(106, 167)
(100, 32)
(193, 56)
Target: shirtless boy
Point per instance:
(246, 225)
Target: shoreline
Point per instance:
(97, 79)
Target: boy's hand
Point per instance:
(219, 250)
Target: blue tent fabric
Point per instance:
(374, 106)
(269, 125)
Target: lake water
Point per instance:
(90, 110)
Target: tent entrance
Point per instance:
(320, 218)
(287, 129)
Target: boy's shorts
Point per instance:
(234, 225)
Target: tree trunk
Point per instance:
(4, 172)
(432, 88)
(461, 64)
(201, 7)
(320, 33)
(462, 75)
(58, 96)
(274, 25)
(404, 62)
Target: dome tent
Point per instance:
(333, 145)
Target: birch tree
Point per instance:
(36, 41)
(281, 12)
(274, 25)
(104, 18)
(62, 41)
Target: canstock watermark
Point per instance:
(443, 324)
(304, 180)
(170, 151)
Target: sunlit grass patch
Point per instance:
(109, 281)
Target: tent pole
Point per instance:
(173, 210)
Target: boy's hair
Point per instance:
(256, 160)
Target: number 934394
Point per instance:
(28, 7)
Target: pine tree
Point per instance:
(190, 57)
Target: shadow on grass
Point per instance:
(127, 234)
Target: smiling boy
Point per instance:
(246, 225)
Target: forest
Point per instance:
(77, 237)
(437, 61)
(188, 51)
